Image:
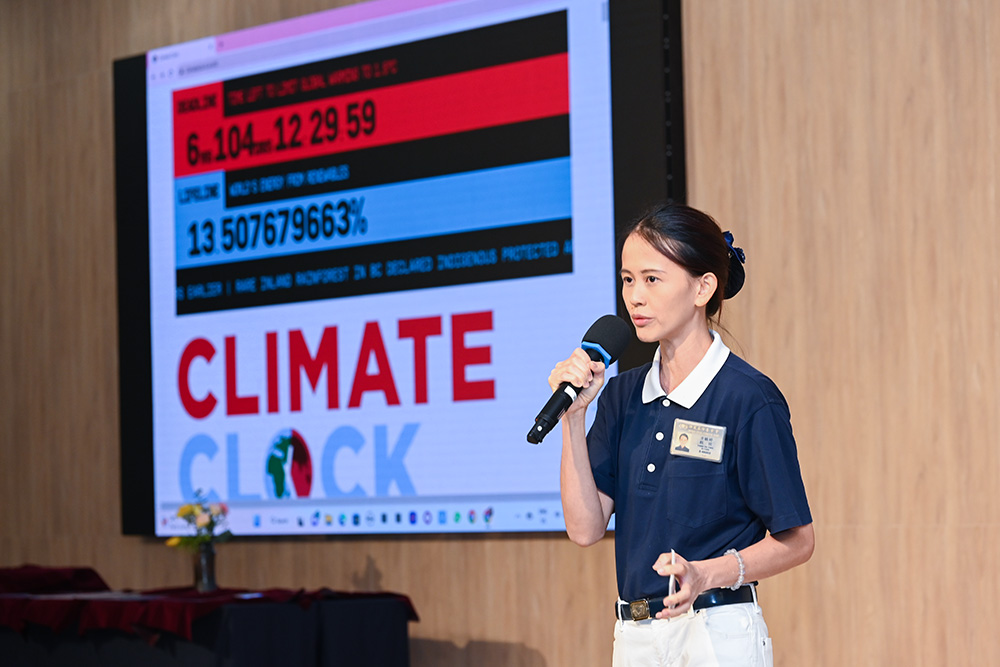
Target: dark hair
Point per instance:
(695, 241)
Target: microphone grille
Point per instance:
(611, 334)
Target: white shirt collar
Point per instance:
(695, 384)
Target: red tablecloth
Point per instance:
(171, 610)
(38, 579)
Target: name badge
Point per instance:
(698, 441)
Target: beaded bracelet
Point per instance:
(743, 571)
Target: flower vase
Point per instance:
(204, 568)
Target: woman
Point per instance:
(727, 512)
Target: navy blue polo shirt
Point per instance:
(697, 507)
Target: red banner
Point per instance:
(206, 140)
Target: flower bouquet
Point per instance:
(209, 522)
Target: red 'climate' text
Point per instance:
(371, 374)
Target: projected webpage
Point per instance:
(372, 233)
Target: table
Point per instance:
(179, 626)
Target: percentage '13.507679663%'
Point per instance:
(270, 228)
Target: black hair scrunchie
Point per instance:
(737, 274)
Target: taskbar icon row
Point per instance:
(299, 518)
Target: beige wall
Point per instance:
(851, 146)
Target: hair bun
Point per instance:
(737, 274)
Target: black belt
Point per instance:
(640, 610)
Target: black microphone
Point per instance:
(604, 341)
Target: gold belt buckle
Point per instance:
(639, 610)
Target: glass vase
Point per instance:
(204, 568)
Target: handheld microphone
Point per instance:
(604, 341)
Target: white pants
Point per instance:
(732, 635)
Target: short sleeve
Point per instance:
(603, 439)
(769, 474)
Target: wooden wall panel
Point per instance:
(851, 146)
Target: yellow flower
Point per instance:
(173, 541)
(186, 510)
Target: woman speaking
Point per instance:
(693, 453)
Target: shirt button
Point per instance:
(666, 402)
(659, 435)
(651, 468)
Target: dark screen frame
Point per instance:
(135, 358)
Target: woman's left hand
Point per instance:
(691, 580)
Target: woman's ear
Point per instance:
(707, 285)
